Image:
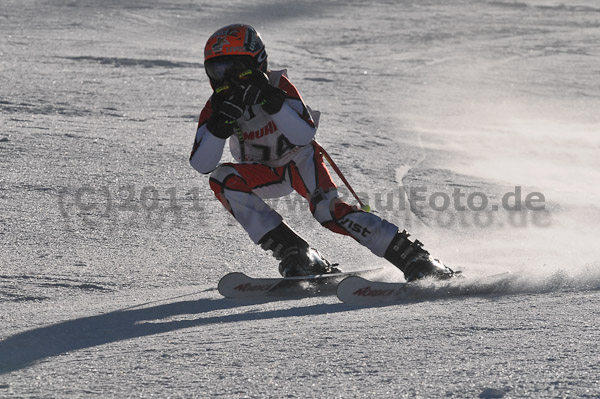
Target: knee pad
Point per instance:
(323, 205)
(223, 172)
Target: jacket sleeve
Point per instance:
(294, 119)
(207, 149)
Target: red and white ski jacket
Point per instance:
(268, 139)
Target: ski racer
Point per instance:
(270, 132)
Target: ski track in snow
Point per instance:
(112, 246)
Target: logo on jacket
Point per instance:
(269, 128)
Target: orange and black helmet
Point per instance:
(237, 43)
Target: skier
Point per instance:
(270, 132)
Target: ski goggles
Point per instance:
(220, 68)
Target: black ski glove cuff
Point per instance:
(257, 90)
(273, 100)
(228, 106)
(220, 127)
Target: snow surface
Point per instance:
(112, 245)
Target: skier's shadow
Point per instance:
(26, 348)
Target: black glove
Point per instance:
(228, 107)
(257, 90)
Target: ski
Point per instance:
(241, 286)
(357, 290)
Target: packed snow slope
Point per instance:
(441, 113)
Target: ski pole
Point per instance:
(240, 135)
(363, 206)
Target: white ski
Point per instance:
(360, 291)
(357, 290)
(240, 285)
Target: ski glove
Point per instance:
(257, 90)
(228, 107)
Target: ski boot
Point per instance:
(295, 256)
(415, 262)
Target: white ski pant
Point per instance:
(242, 187)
